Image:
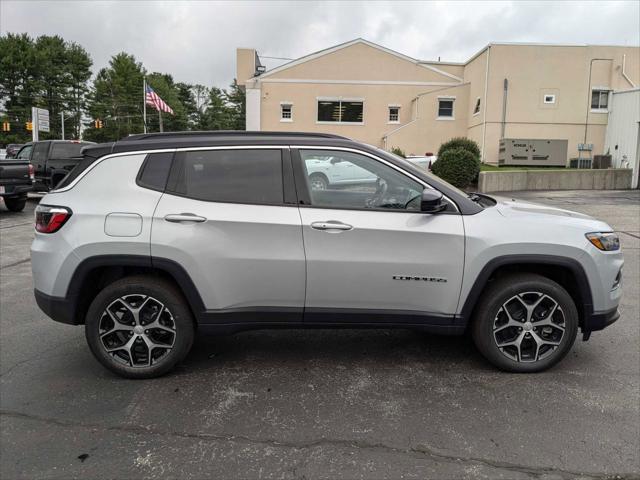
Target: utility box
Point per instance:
(533, 153)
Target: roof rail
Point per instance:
(225, 133)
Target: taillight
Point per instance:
(50, 219)
(32, 175)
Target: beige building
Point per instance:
(370, 93)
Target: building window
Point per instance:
(394, 114)
(445, 108)
(599, 99)
(548, 98)
(340, 111)
(286, 112)
(476, 110)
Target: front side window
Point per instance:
(394, 114)
(600, 99)
(338, 179)
(232, 176)
(340, 111)
(445, 108)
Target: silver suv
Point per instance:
(156, 237)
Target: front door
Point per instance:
(372, 256)
(224, 219)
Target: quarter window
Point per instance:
(340, 111)
(338, 179)
(445, 108)
(600, 99)
(235, 176)
(394, 114)
(155, 171)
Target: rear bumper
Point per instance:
(59, 309)
(16, 190)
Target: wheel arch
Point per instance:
(94, 273)
(565, 271)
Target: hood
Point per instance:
(509, 207)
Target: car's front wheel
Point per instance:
(525, 323)
(139, 327)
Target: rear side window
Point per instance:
(155, 171)
(234, 176)
(75, 172)
(40, 150)
(66, 150)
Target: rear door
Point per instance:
(372, 256)
(229, 218)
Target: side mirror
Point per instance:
(431, 201)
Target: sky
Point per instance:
(195, 41)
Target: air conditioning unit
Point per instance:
(533, 153)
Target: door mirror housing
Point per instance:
(431, 201)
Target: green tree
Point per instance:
(116, 99)
(18, 87)
(217, 115)
(79, 72)
(236, 98)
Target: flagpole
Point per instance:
(144, 102)
(160, 119)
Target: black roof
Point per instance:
(148, 141)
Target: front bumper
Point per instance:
(598, 321)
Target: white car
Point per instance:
(333, 171)
(423, 161)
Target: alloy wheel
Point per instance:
(529, 327)
(137, 330)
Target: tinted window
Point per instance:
(238, 176)
(155, 171)
(66, 150)
(339, 179)
(40, 150)
(25, 152)
(340, 111)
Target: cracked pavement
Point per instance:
(319, 403)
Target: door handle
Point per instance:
(331, 225)
(184, 217)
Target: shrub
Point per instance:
(457, 166)
(461, 142)
(398, 151)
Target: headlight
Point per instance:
(604, 241)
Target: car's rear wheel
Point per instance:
(15, 204)
(139, 327)
(525, 323)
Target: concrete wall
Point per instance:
(609, 179)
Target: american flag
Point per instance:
(155, 101)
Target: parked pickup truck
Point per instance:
(16, 179)
(52, 160)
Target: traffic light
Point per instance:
(6, 127)
(29, 126)
(98, 123)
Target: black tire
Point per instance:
(176, 314)
(320, 181)
(15, 204)
(514, 291)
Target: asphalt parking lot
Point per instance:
(320, 403)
